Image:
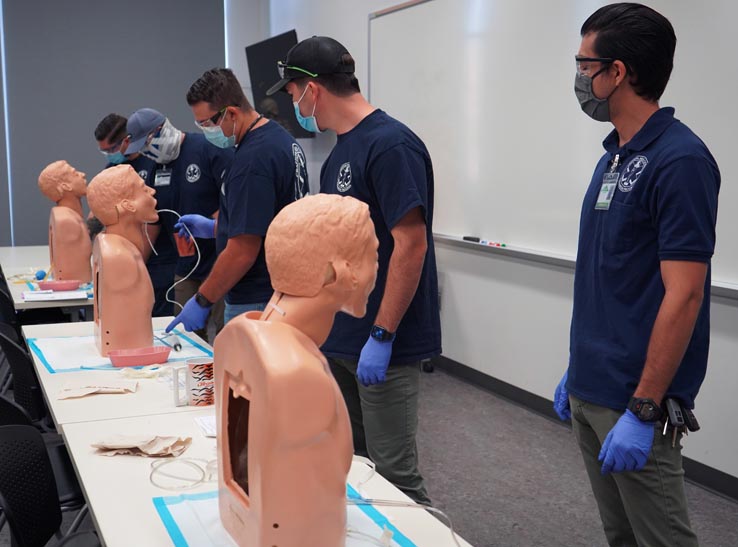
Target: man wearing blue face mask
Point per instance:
(268, 173)
(111, 134)
(192, 170)
(640, 323)
(376, 359)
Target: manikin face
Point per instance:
(76, 181)
(143, 200)
(366, 277)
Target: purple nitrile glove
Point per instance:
(193, 316)
(200, 226)
(627, 445)
(373, 362)
(561, 399)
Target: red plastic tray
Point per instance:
(60, 285)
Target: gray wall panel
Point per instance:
(71, 63)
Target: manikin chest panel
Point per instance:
(69, 245)
(284, 437)
(123, 295)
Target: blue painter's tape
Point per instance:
(379, 519)
(205, 350)
(40, 354)
(30, 285)
(169, 523)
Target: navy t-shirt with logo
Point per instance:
(664, 208)
(384, 164)
(268, 173)
(195, 177)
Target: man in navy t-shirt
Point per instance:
(193, 171)
(268, 172)
(383, 163)
(640, 324)
(110, 134)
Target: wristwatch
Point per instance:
(646, 410)
(380, 334)
(204, 302)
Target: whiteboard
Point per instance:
(489, 87)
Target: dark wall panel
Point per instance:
(71, 63)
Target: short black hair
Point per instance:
(641, 38)
(340, 84)
(220, 88)
(112, 127)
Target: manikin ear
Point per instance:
(127, 205)
(345, 278)
(65, 187)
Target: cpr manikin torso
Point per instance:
(69, 242)
(284, 436)
(123, 293)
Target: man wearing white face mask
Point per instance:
(194, 171)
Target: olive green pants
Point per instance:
(384, 421)
(646, 508)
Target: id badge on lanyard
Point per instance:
(609, 184)
(162, 177)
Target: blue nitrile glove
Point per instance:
(627, 445)
(193, 316)
(373, 362)
(200, 226)
(561, 399)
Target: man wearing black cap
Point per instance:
(193, 170)
(381, 162)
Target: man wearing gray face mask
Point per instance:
(193, 171)
(640, 322)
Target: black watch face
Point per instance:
(648, 412)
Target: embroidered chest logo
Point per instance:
(143, 173)
(192, 174)
(632, 173)
(301, 188)
(344, 177)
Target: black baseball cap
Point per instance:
(313, 57)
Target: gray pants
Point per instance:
(384, 421)
(646, 508)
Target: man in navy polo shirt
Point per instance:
(376, 359)
(640, 324)
(268, 173)
(111, 136)
(193, 171)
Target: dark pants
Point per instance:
(384, 421)
(646, 508)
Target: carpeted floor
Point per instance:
(510, 478)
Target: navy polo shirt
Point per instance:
(385, 165)
(195, 177)
(268, 173)
(664, 208)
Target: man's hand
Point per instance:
(200, 226)
(193, 316)
(561, 399)
(373, 362)
(627, 445)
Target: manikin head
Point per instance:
(59, 179)
(324, 243)
(119, 194)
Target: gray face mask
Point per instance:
(595, 108)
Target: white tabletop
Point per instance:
(153, 396)
(26, 261)
(120, 494)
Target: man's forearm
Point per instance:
(403, 276)
(230, 266)
(670, 336)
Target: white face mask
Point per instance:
(164, 148)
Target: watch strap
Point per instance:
(381, 334)
(204, 302)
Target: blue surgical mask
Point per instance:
(116, 158)
(215, 135)
(308, 123)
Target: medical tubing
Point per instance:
(197, 248)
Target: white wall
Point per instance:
(505, 317)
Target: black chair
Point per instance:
(67, 486)
(28, 494)
(26, 388)
(8, 317)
